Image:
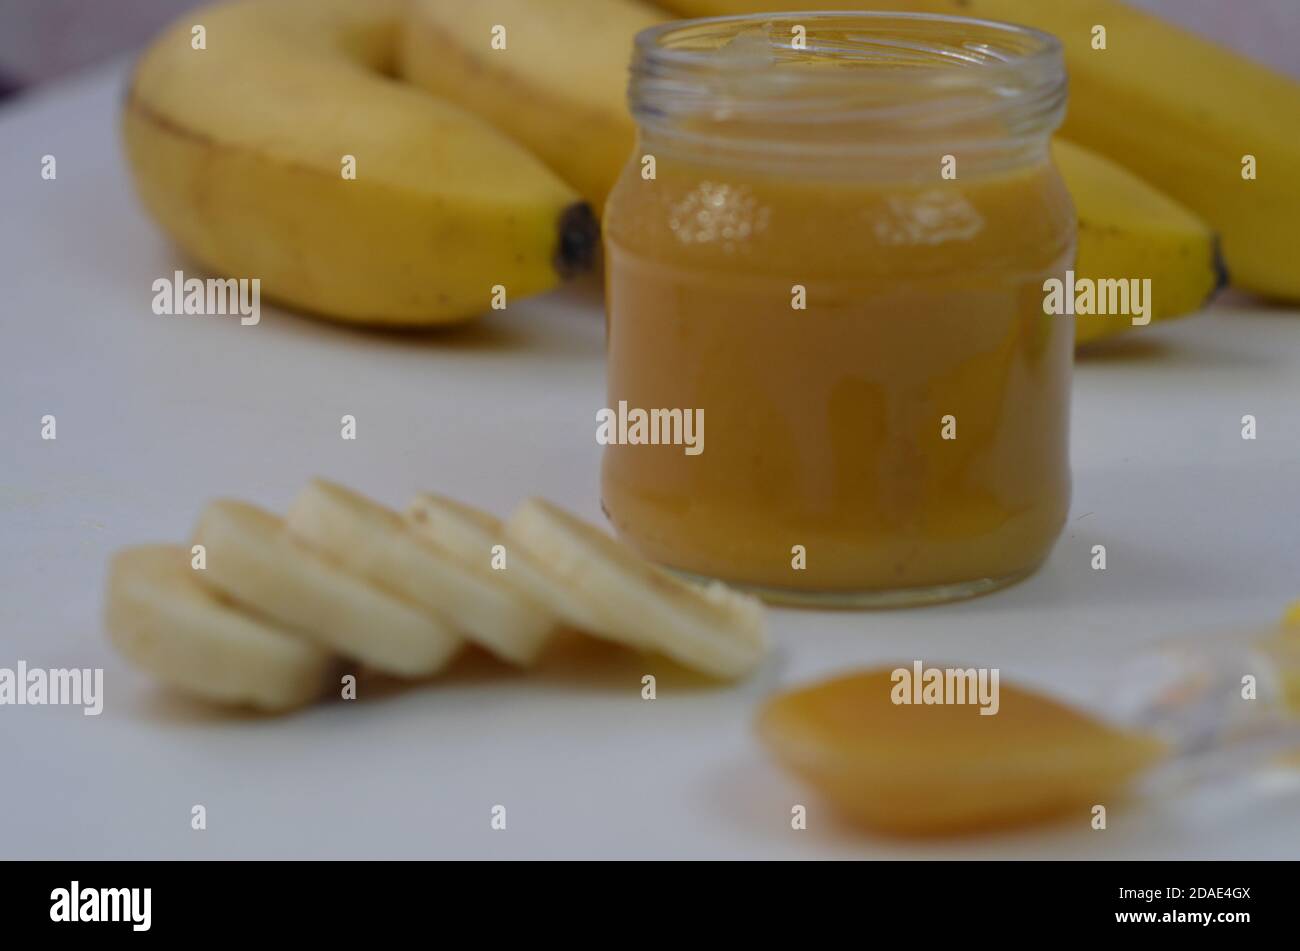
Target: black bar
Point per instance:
(330, 900)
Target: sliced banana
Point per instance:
(163, 619)
(712, 629)
(251, 558)
(472, 535)
(375, 543)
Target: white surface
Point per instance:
(156, 415)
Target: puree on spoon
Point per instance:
(935, 769)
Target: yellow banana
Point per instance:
(1128, 230)
(239, 126)
(550, 73)
(1182, 112)
(1286, 644)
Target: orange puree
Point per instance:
(824, 426)
(918, 769)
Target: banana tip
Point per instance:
(1221, 275)
(579, 240)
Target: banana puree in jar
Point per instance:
(835, 256)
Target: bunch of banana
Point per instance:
(558, 88)
(237, 148)
(267, 137)
(257, 615)
(1183, 113)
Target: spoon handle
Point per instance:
(1214, 694)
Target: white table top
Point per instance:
(156, 415)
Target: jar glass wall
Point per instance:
(830, 247)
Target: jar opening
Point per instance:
(874, 82)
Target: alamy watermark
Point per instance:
(654, 427)
(178, 296)
(959, 685)
(56, 686)
(1126, 297)
(74, 903)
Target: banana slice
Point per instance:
(712, 629)
(165, 621)
(470, 535)
(373, 542)
(251, 558)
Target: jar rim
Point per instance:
(987, 85)
(649, 44)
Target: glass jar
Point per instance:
(829, 252)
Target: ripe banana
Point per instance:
(479, 539)
(1129, 230)
(553, 75)
(372, 542)
(240, 150)
(254, 561)
(1284, 645)
(1178, 110)
(165, 621)
(711, 629)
